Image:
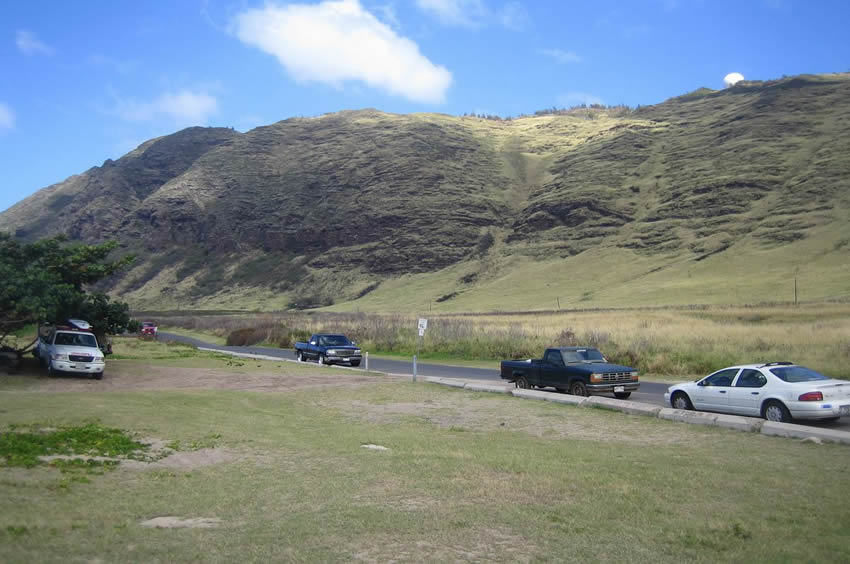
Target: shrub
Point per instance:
(246, 337)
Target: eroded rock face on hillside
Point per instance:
(383, 195)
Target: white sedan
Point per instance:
(777, 391)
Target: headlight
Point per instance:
(596, 377)
(331, 351)
(356, 351)
(57, 356)
(98, 359)
(634, 375)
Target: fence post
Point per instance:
(367, 361)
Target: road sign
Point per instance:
(423, 324)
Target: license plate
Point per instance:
(844, 410)
(619, 389)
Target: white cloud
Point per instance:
(571, 99)
(29, 44)
(337, 41)
(560, 56)
(465, 13)
(183, 108)
(7, 117)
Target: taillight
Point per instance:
(811, 396)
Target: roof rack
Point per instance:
(781, 363)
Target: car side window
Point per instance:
(553, 357)
(750, 378)
(722, 378)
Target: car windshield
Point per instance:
(793, 374)
(336, 341)
(583, 355)
(75, 339)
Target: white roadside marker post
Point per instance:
(423, 324)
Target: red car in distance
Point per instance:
(148, 329)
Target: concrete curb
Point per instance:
(556, 397)
(530, 394)
(493, 388)
(793, 431)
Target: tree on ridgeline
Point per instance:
(46, 282)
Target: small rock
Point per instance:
(374, 447)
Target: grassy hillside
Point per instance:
(713, 197)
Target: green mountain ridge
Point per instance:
(710, 197)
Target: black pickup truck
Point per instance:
(329, 349)
(581, 371)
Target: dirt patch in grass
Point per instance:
(171, 522)
(134, 376)
(188, 460)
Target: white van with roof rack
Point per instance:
(70, 348)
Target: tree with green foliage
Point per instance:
(46, 282)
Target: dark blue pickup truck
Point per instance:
(581, 371)
(329, 349)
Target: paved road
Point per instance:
(650, 392)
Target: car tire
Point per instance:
(776, 411)
(322, 359)
(522, 382)
(355, 363)
(622, 395)
(97, 375)
(578, 389)
(680, 400)
(51, 372)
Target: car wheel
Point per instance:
(97, 375)
(622, 395)
(680, 400)
(51, 372)
(355, 363)
(776, 411)
(578, 389)
(522, 382)
(322, 359)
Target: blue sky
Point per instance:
(90, 80)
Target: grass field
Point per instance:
(270, 456)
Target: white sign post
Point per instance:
(423, 324)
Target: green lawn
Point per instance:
(467, 476)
